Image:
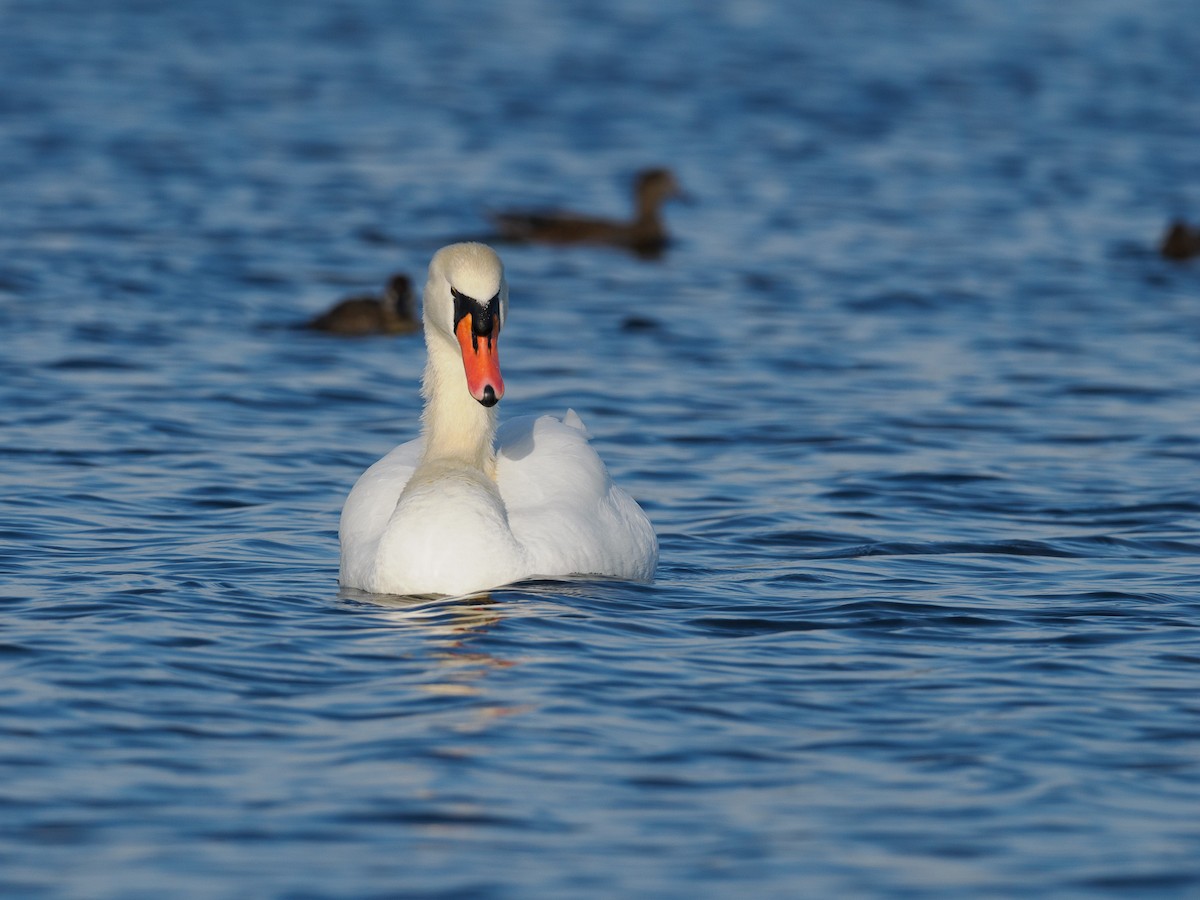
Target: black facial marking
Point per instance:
(484, 315)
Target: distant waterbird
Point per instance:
(392, 313)
(1180, 241)
(644, 233)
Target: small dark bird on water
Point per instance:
(644, 234)
(1180, 241)
(393, 313)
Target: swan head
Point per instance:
(466, 302)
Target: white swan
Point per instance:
(465, 507)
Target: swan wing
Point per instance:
(563, 507)
(368, 509)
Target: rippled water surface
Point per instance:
(912, 402)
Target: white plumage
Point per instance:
(467, 506)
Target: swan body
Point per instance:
(468, 506)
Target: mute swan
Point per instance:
(644, 233)
(467, 507)
(393, 313)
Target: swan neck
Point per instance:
(455, 426)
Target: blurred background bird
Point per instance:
(393, 313)
(644, 233)
(1180, 241)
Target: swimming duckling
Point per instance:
(393, 313)
(1180, 241)
(644, 234)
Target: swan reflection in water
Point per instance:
(452, 622)
(454, 627)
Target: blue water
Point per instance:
(912, 402)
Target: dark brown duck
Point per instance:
(644, 233)
(1180, 242)
(393, 313)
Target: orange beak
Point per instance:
(481, 361)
